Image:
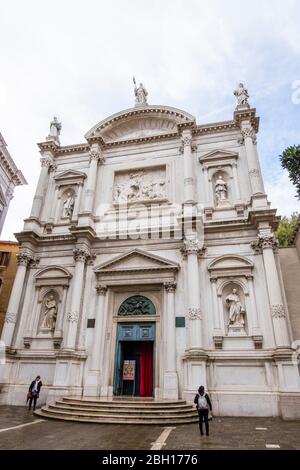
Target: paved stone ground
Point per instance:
(225, 433)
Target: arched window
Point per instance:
(137, 305)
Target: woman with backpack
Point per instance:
(203, 404)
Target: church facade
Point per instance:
(148, 266)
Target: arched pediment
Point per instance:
(52, 275)
(231, 265)
(137, 123)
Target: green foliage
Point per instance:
(290, 161)
(285, 230)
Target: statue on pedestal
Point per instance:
(221, 190)
(68, 206)
(236, 311)
(242, 96)
(50, 313)
(55, 128)
(140, 94)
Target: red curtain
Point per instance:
(146, 375)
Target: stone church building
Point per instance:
(148, 266)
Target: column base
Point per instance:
(92, 384)
(170, 390)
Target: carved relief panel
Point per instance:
(140, 185)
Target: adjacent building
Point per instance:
(10, 177)
(8, 268)
(150, 253)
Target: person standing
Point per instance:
(34, 392)
(203, 404)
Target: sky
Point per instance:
(75, 59)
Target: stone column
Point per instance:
(249, 138)
(206, 184)
(81, 255)
(99, 334)
(52, 218)
(236, 181)
(77, 203)
(48, 201)
(95, 158)
(23, 260)
(46, 162)
(216, 315)
(192, 250)
(188, 167)
(266, 242)
(255, 321)
(170, 375)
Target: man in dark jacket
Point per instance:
(34, 391)
(203, 404)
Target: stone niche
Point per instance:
(140, 185)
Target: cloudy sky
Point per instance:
(76, 58)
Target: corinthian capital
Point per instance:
(81, 254)
(248, 131)
(263, 242)
(96, 155)
(46, 162)
(26, 259)
(186, 140)
(170, 286)
(193, 247)
(101, 289)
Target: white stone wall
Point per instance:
(250, 373)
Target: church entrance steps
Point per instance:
(120, 411)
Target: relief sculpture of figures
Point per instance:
(139, 186)
(68, 206)
(221, 189)
(140, 94)
(236, 310)
(242, 96)
(50, 313)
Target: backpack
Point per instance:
(202, 402)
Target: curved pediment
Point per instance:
(227, 265)
(141, 122)
(53, 275)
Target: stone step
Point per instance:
(123, 406)
(125, 402)
(129, 412)
(103, 419)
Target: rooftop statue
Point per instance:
(140, 94)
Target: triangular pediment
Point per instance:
(218, 155)
(136, 260)
(70, 174)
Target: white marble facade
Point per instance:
(108, 222)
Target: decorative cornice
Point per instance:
(246, 115)
(7, 163)
(217, 127)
